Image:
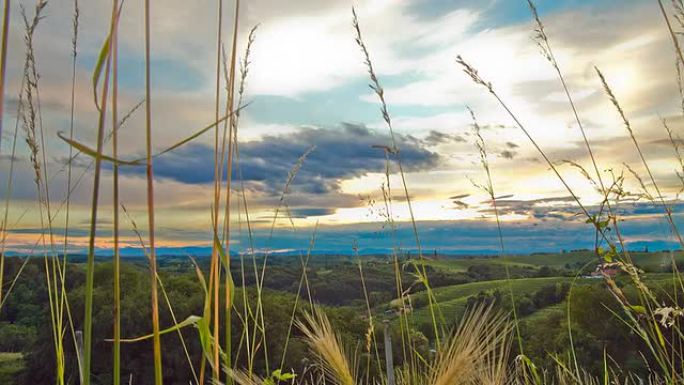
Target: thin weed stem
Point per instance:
(380, 92)
(150, 203)
(3, 62)
(628, 126)
(116, 347)
(90, 263)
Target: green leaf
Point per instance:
(193, 136)
(199, 133)
(224, 261)
(94, 154)
(533, 369)
(97, 72)
(206, 339)
(638, 309)
(141, 161)
(287, 376)
(277, 376)
(191, 320)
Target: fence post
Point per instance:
(389, 360)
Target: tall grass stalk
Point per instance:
(648, 329)
(371, 338)
(150, 203)
(679, 56)
(176, 324)
(630, 130)
(74, 185)
(35, 139)
(65, 252)
(90, 263)
(675, 142)
(404, 327)
(477, 79)
(259, 322)
(247, 310)
(116, 347)
(295, 306)
(675, 42)
(489, 189)
(598, 225)
(53, 271)
(74, 54)
(380, 92)
(215, 265)
(230, 106)
(544, 44)
(3, 62)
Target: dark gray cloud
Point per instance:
(57, 231)
(565, 208)
(345, 152)
(305, 212)
(436, 137)
(562, 208)
(457, 201)
(508, 154)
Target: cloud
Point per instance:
(560, 207)
(436, 137)
(346, 152)
(306, 212)
(507, 154)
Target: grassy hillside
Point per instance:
(452, 300)
(10, 366)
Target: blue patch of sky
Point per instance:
(342, 104)
(498, 13)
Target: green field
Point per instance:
(462, 264)
(451, 300)
(10, 366)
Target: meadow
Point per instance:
(610, 315)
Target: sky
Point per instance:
(307, 88)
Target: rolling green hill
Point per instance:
(451, 300)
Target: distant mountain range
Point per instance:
(205, 251)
